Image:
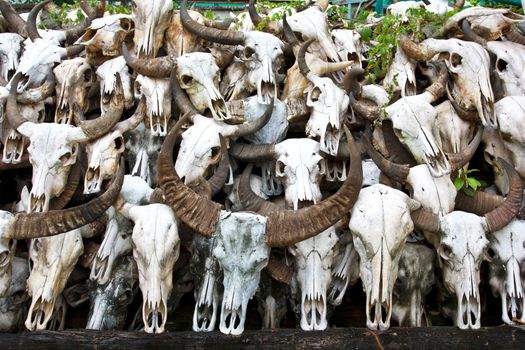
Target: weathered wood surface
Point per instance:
(347, 338)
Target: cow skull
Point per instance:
(151, 21)
(157, 93)
(113, 75)
(510, 62)
(510, 113)
(10, 50)
(142, 149)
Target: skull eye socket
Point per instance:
(279, 168)
(455, 60)
(119, 143)
(134, 5)
(490, 254)
(186, 80)
(126, 295)
(125, 24)
(248, 52)
(41, 115)
(316, 93)
(445, 251)
(37, 245)
(88, 75)
(215, 154)
(501, 65)
(66, 157)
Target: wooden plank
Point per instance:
(352, 338)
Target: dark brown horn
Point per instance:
(74, 50)
(398, 153)
(254, 16)
(71, 186)
(470, 116)
(11, 108)
(287, 227)
(470, 35)
(225, 37)
(367, 111)
(425, 220)
(503, 214)
(418, 52)
(15, 23)
(249, 200)
(255, 125)
(289, 35)
(351, 82)
(480, 203)
(459, 160)
(181, 99)
(157, 68)
(133, 121)
(514, 36)
(32, 29)
(279, 270)
(220, 176)
(197, 212)
(396, 172)
(27, 226)
(40, 93)
(252, 153)
(301, 60)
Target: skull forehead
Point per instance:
(298, 150)
(202, 136)
(10, 42)
(40, 55)
(109, 71)
(346, 38)
(510, 112)
(410, 114)
(104, 143)
(73, 67)
(432, 192)
(144, 10)
(509, 241)
(309, 22)
(321, 244)
(197, 64)
(111, 23)
(463, 232)
(63, 249)
(262, 42)
(47, 138)
(153, 87)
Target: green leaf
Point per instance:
(458, 183)
(473, 183)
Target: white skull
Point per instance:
(380, 223)
(151, 21)
(53, 260)
(414, 281)
(510, 114)
(454, 132)
(157, 93)
(348, 44)
(156, 245)
(105, 35)
(110, 74)
(10, 50)
(115, 245)
(510, 63)
(242, 253)
(75, 78)
(200, 77)
(329, 104)
(462, 248)
(401, 8)
(313, 262)
(402, 74)
(507, 251)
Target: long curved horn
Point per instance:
(197, 212)
(15, 23)
(418, 52)
(459, 160)
(289, 35)
(133, 121)
(225, 37)
(255, 125)
(396, 172)
(301, 60)
(425, 220)
(181, 99)
(503, 214)
(287, 227)
(157, 68)
(367, 111)
(220, 176)
(31, 96)
(33, 225)
(351, 82)
(480, 204)
(279, 270)
(11, 108)
(254, 16)
(398, 153)
(470, 35)
(71, 186)
(32, 29)
(470, 116)
(252, 153)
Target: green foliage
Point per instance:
(467, 183)
(280, 9)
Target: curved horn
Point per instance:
(470, 116)
(220, 176)
(289, 35)
(370, 112)
(514, 36)
(197, 212)
(255, 125)
(418, 52)
(459, 160)
(225, 37)
(11, 108)
(396, 172)
(279, 270)
(480, 204)
(254, 16)
(71, 186)
(287, 227)
(425, 220)
(74, 50)
(33, 225)
(351, 82)
(157, 68)
(133, 121)
(301, 60)
(249, 200)
(15, 23)
(31, 96)
(470, 35)
(181, 99)
(503, 214)
(252, 153)
(32, 30)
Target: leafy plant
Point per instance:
(467, 183)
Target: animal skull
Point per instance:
(510, 60)
(142, 149)
(113, 75)
(510, 112)
(151, 21)
(10, 50)
(157, 93)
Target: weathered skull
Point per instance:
(414, 281)
(157, 93)
(105, 35)
(109, 301)
(200, 77)
(510, 113)
(510, 63)
(112, 74)
(142, 149)
(179, 41)
(151, 21)
(380, 223)
(402, 74)
(10, 50)
(313, 262)
(12, 308)
(75, 79)
(116, 244)
(454, 132)
(53, 260)
(242, 253)
(507, 254)
(207, 274)
(155, 249)
(462, 248)
(348, 45)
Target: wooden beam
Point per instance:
(351, 338)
